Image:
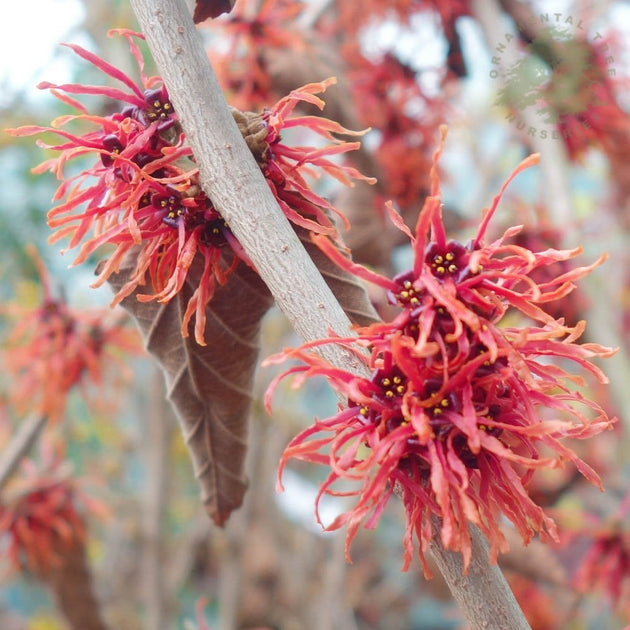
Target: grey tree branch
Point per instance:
(483, 595)
(20, 444)
(158, 428)
(232, 180)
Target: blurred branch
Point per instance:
(491, 605)
(312, 12)
(21, 443)
(72, 587)
(182, 562)
(235, 545)
(233, 181)
(158, 433)
(333, 611)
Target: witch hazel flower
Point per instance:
(52, 348)
(143, 188)
(604, 568)
(288, 168)
(42, 512)
(462, 405)
(247, 36)
(40, 521)
(393, 102)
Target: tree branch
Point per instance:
(20, 444)
(231, 178)
(483, 594)
(158, 425)
(230, 175)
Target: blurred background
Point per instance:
(509, 78)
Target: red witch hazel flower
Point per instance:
(606, 565)
(39, 515)
(143, 189)
(286, 168)
(589, 115)
(53, 348)
(393, 102)
(253, 30)
(462, 406)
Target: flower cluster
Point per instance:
(143, 188)
(586, 101)
(39, 516)
(253, 31)
(53, 348)
(352, 17)
(604, 568)
(286, 167)
(462, 405)
(393, 102)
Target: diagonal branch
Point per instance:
(19, 446)
(232, 180)
(229, 175)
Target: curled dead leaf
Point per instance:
(210, 387)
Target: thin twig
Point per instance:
(21, 443)
(334, 613)
(232, 180)
(158, 437)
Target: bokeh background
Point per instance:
(157, 561)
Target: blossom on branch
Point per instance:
(286, 167)
(351, 16)
(143, 189)
(247, 35)
(586, 101)
(53, 348)
(393, 102)
(462, 405)
(39, 514)
(604, 568)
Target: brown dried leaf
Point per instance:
(209, 386)
(205, 9)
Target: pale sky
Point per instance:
(30, 31)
